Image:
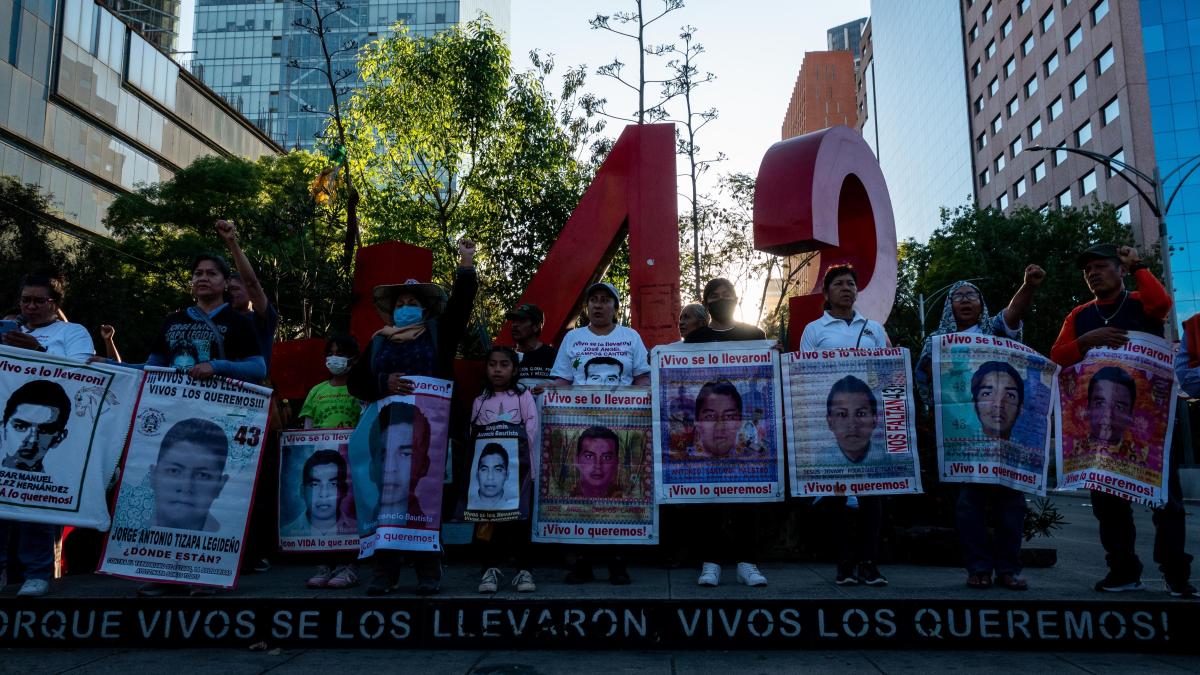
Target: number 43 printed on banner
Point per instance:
(248, 436)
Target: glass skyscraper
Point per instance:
(243, 50)
(155, 20)
(1171, 39)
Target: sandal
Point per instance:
(979, 580)
(1012, 582)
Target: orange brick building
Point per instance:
(824, 94)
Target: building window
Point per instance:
(1006, 28)
(1055, 109)
(1123, 214)
(987, 13)
(1010, 67)
(997, 125)
(1087, 184)
(976, 69)
(1118, 156)
(1110, 112)
(1083, 134)
(999, 162)
(1019, 188)
(1013, 106)
(1064, 198)
(1002, 201)
(1039, 172)
(991, 49)
(440, 17)
(1031, 86)
(1099, 10)
(1079, 86)
(993, 86)
(979, 104)
(1035, 129)
(1015, 147)
(1075, 39)
(985, 177)
(1060, 155)
(974, 33)
(1022, 7)
(1105, 60)
(1047, 20)
(1027, 45)
(1051, 64)
(981, 141)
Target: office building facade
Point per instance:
(245, 52)
(846, 38)
(155, 20)
(824, 94)
(94, 110)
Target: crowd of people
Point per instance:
(229, 329)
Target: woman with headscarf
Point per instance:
(421, 335)
(966, 312)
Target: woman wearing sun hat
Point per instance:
(423, 328)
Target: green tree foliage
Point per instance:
(995, 248)
(446, 140)
(294, 243)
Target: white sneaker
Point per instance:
(748, 574)
(710, 574)
(523, 582)
(490, 581)
(33, 588)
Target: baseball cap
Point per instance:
(606, 287)
(526, 311)
(1097, 252)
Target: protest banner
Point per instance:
(1118, 410)
(63, 431)
(851, 422)
(993, 402)
(596, 470)
(718, 435)
(184, 499)
(398, 462)
(497, 473)
(316, 503)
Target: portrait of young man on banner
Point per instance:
(851, 423)
(596, 482)
(718, 436)
(494, 492)
(316, 499)
(186, 489)
(994, 399)
(63, 426)
(1118, 410)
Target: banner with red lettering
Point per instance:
(596, 469)
(718, 432)
(64, 427)
(184, 499)
(993, 402)
(316, 495)
(1118, 411)
(398, 461)
(851, 422)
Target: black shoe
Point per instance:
(382, 584)
(428, 586)
(580, 573)
(869, 574)
(618, 575)
(1182, 589)
(1115, 583)
(845, 575)
(262, 566)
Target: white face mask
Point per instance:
(337, 365)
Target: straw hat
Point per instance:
(431, 296)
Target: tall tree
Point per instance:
(637, 23)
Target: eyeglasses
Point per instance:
(965, 297)
(33, 300)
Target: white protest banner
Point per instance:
(718, 431)
(596, 482)
(1118, 410)
(851, 422)
(316, 498)
(64, 427)
(184, 499)
(398, 461)
(993, 402)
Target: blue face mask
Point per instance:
(407, 315)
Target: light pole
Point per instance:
(932, 298)
(1155, 202)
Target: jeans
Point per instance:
(1003, 553)
(509, 540)
(858, 529)
(34, 544)
(1118, 534)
